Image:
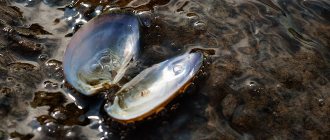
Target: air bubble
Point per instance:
(51, 127)
(43, 57)
(58, 115)
(50, 85)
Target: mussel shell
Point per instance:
(154, 87)
(99, 52)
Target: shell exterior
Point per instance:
(99, 52)
(154, 87)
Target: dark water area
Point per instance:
(268, 78)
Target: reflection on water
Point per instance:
(269, 76)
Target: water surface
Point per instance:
(268, 78)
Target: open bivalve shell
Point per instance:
(154, 88)
(100, 51)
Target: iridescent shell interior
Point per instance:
(154, 87)
(99, 52)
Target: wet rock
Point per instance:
(54, 70)
(18, 37)
(23, 72)
(22, 67)
(29, 3)
(21, 136)
(68, 115)
(32, 30)
(22, 45)
(51, 99)
(11, 15)
(59, 113)
(53, 131)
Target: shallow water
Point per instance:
(268, 78)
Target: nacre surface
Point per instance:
(154, 87)
(99, 52)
